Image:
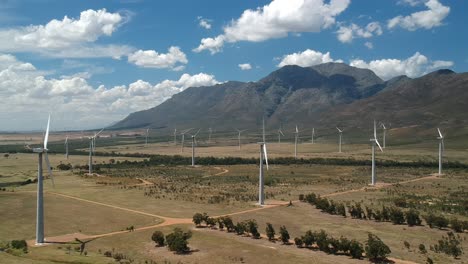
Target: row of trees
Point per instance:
(387, 214)
(375, 249)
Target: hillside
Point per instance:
(324, 96)
(290, 94)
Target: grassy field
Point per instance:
(143, 196)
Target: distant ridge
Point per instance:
(321, 95)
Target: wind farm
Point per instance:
(152, 132)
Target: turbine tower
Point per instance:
(263, 130)
(296, 134)
(280, 133)
(92, 146)
(339, 143)
(239, 136)
(261, 189)
(175, 136)
(384, 134)
(209, 134)
(66, 147)
(374, 142)
(193, 147)
(146, 137)
(40, 193)
(441, 150)
(313, 134)
(183, 137)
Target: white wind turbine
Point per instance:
(66, 147)
(239, 136)
(384, 134)
(175, 136)
(92, 146)
(374, 142)
(339, 143)
(183, 137)
(193, 147)
(280, 133)
(210, 131)
(441, 150)
(296, 135)
(40, 193)
(146, 137)
(313, 135)
(261, 189)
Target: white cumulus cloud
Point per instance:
(245, 66)
(306, 58)
(276, 20)
(28, 96)
(346, 34)
(204, 23)
(413, 66)
(427, 19)
(153, 59)
(58, 37)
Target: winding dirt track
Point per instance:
(167, 221)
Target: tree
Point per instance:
(197, 219)
(355, 249)
(210, 221)
(220, 223)
(227, 220)
(298, 242)
(441, 222)
(341, 210)
(397, 216)
(376, 248)
(321, 239)
(344, 244)
(178, 240)
(456, 225)
(422, 249)
(407, 244)
(19, 244)
(270, 232)
(284, 235)
(252, 228)
(449, 245)
(240, 228)
(158, 238)
(308, 238)
(412, 217)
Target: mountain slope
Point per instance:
(291, 93)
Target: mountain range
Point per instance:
(325, 95)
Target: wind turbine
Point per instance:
(183, 137)
(66, 147)
(374, 142)
(40, 193)
(296, 134)
(146, 137)
(92, 145)
(280, 133)
(193, 147)
(341, 134)
(209, 134)
(441, 150)
(313, 134)
(261, 189)
(384, 133)
(239, 136)
(175, 136)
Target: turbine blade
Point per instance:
(443, 145)
(46, 156)
(46, 136)
(99, 132)
(197, 132)
(297, 131)
(378, 144)
(266, 155)
(440, 134)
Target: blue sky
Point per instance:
(110, 58)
